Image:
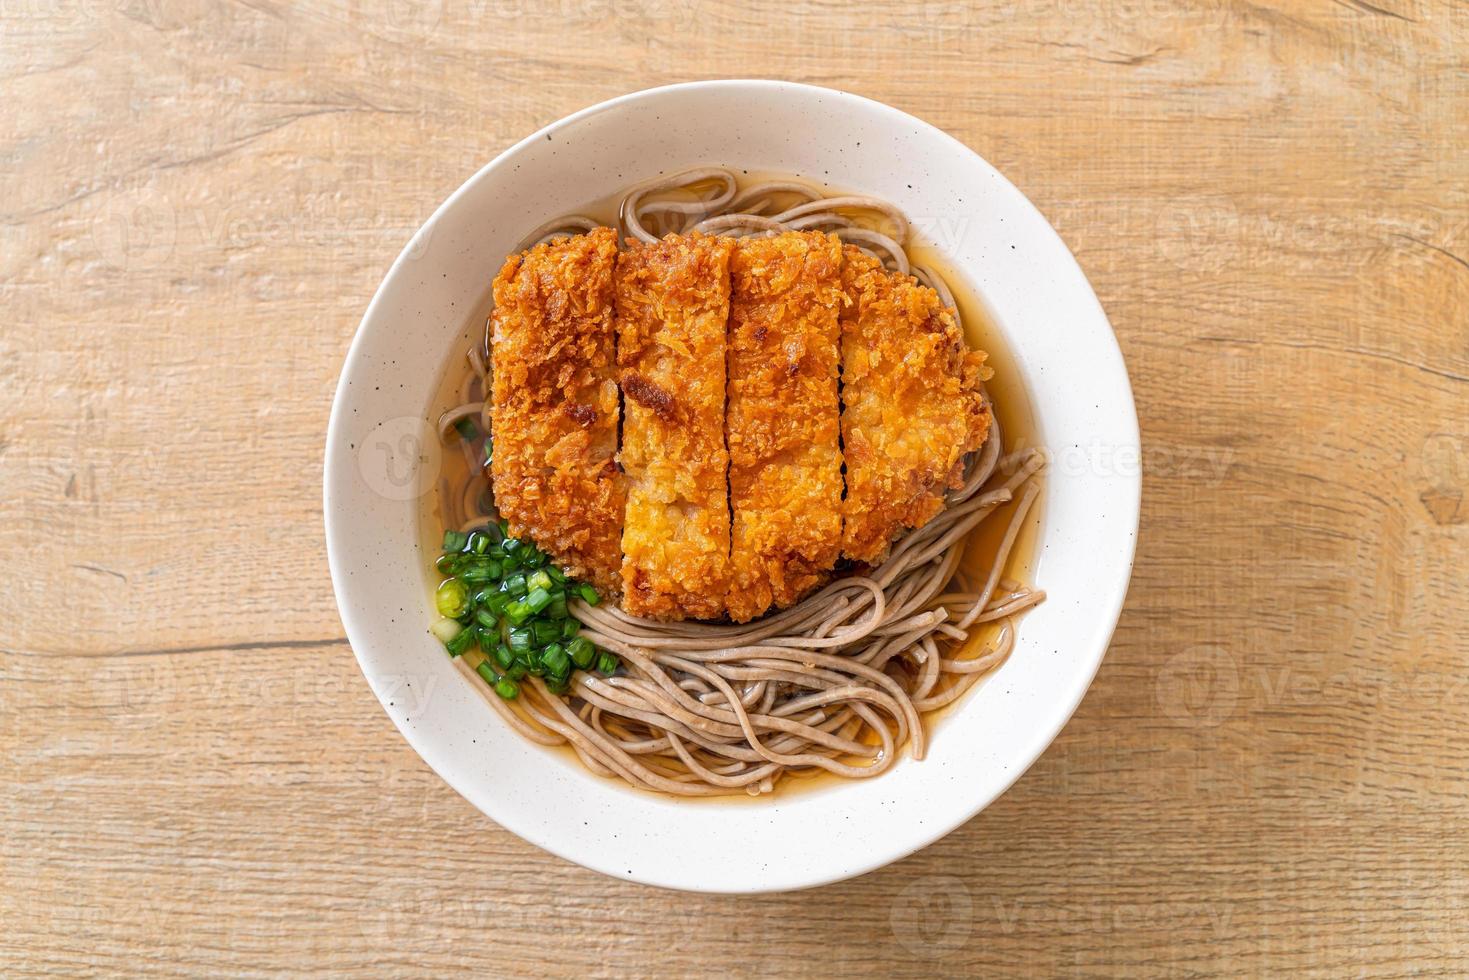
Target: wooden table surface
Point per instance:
(1272, 202)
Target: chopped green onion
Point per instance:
(480, 574)
(520, 639)
(489, 448)
(582, 652)
(467, 429)
(460, 643)
(445, 629)
(503, 656)
(555, 658)
(451, 598)
(504, 594)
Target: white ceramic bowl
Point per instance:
(381, 456)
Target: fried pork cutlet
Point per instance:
(911, 405)
(555, 404)
(781, 422)
(672, 307)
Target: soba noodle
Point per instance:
(838, 682)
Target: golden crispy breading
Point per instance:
(911, 405)
(727, 356)
(781, 423)
(555, 404)
(672, 307)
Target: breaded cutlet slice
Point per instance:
(554, 406)
(912, 405)
(781, 420)
(672, 307)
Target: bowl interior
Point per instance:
(382, 457)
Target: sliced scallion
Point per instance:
(503, 595)
(518, 612)
(555, 659)
(451, 598)
(582, 652)
(520, 638)
(460, 643)
(445, 629)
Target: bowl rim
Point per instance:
(1111, 601)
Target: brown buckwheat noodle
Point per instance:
(840, 681)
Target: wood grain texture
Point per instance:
(1272, 201)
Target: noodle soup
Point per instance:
(993, 560)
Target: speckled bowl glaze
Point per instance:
(381, 457)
